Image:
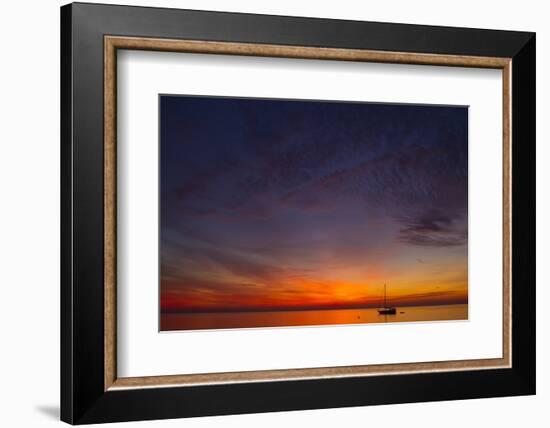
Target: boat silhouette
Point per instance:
(386, 310)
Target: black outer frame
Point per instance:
(83, 399)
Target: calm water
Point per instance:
(302, 318)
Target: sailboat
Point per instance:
(386, 310)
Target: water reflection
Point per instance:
(198, 321)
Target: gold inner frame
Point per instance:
(113, 43)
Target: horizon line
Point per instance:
(168, 311)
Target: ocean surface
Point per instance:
(224, 320)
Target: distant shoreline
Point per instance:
(295, 309)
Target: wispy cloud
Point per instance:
(435, 230)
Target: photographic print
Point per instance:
(281, 212)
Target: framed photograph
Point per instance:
(266, 213)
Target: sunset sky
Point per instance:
(282, 204)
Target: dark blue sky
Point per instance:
(282, 202)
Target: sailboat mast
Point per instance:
(385, 305)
